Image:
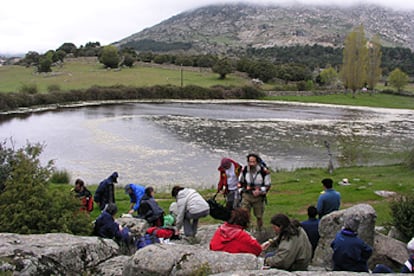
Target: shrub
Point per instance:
(28, 204)
(53, 88)
(60, 177)
(29, 88)
(402, 213)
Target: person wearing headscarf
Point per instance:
(228, 183)
(350, 253)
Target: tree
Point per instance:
(355, 54)
(374, 62)
(223, 67)
(110, 57)
(68, 48)
(398, 79)
(28, 204)
(328, 76)
(45, 63)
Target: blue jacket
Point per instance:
(106, 227)
(328, 202)
(311, 227)
(105, 192)
(136, 196)
(350, 252)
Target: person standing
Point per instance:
(293, 249)
(232, 237)
(350, 253)
(191, 206)
(329, 200)
(311, 227)
(84, 195)
(255, 183)
(228, 184)
(105, 193)
(135, 192)
(150, 210)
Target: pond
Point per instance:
(181, 142)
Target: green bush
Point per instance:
(53, 88)
(60, 177)
(402, 215)
(28, 204)
(29, 88)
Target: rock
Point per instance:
(388, 251)
(53, 254)
(178, 259)
(112, 267)
(332, 223)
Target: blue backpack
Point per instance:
(145, 240)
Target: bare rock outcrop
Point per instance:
(53, 254)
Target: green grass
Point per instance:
(375, 100)
(293, 191)
(81, 74)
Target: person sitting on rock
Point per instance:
(350, 253)
(106, 226)
(293, 249)
(231, 236)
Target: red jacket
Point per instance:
(223, 177)
(232, 238)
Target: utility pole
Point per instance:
(181, 70)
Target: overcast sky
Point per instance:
(41, 25)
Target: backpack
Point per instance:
(217, 210)
(263, 171)
(145, 240)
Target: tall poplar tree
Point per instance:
(374, 62)
(355, 55)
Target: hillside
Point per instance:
(232, 28)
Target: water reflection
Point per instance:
(169, 143)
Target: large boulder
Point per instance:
(332, 223)
(180, 259)
(389, 251)
(53, 254)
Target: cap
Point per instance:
(351, 223)
(225, 163)
(127, 187)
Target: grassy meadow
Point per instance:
(293, 191)
(83, 73)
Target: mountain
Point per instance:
(230, 28)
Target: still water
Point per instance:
(170, 142)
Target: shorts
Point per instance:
(256, 202)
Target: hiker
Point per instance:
(255, 183)
(228, 183)
(149, 209)
(84, 195)
(135, 192)
(105, 193)
(293, 249)
(329, 200)
(408, 265)
(231, 236)
(106, 227)
(350, 253)
(311, 227)
(191, 206)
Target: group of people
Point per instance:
(245, 188)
